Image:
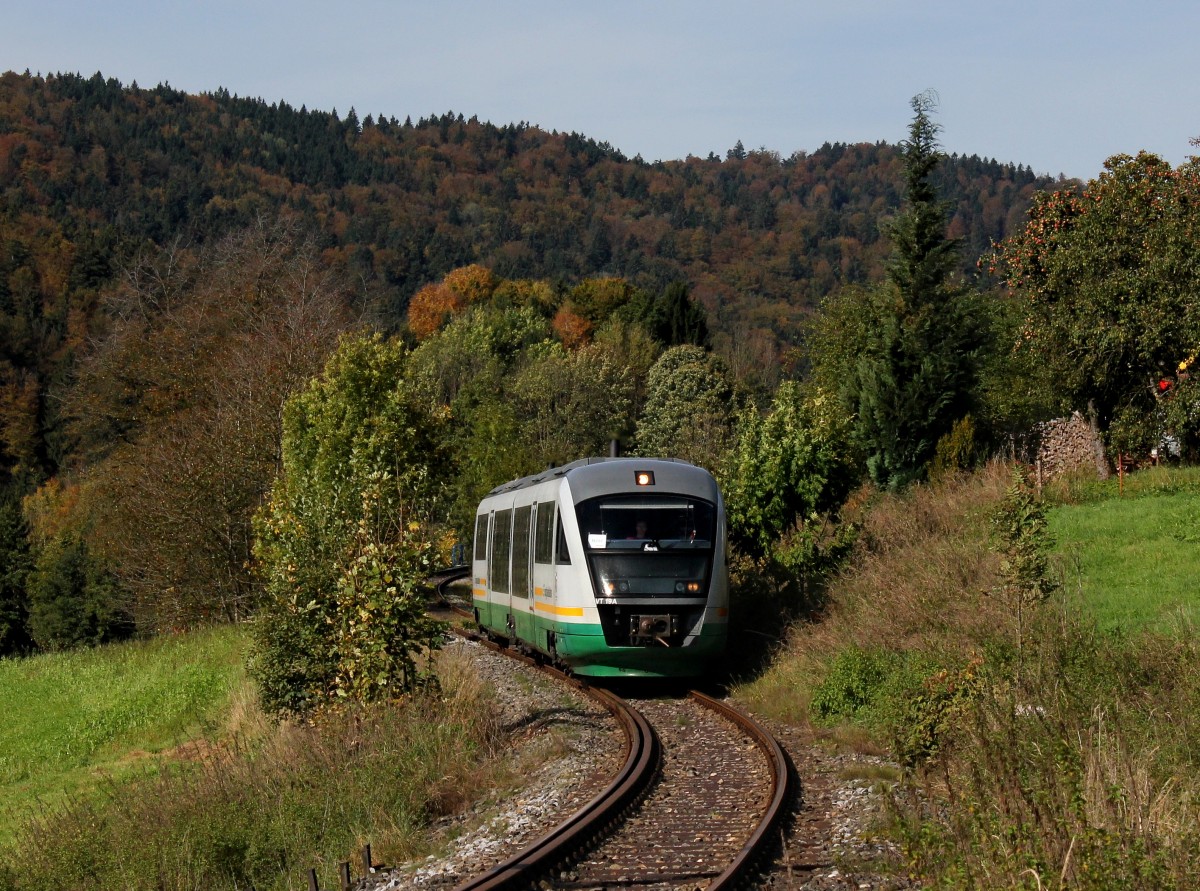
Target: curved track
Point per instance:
(712, 786)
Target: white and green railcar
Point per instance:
(614, 567)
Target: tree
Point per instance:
(916, 372)
(431, 308)
(689, 408)
(569, 405)
(14, 571)
(788, 467)
(676, 318)
(1019, 523)
(346, 537)
(74, 598)
(467, 370)
(200, 357)
(1107, 279)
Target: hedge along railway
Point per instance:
(697, 803)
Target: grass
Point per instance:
(1062, 756)
(73, 719)
(1133, 560)
(262, 808)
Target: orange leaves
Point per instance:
(571, 328)
(473, 283)
(436, 304)
(431, 308)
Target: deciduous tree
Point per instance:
(788, 467)
(689, 408)
(347, 536)
(190, 383)
(1108, 279)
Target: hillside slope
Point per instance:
(92, 172)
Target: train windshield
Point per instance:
(641, 545)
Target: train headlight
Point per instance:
(693, 587)
(644, 477)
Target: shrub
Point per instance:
(855, 678)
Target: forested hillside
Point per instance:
(93, 173)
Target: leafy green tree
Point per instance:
(466, 370)
(689, 408)
(629, 345)
(569, 405)
(347, 535)
(1108, 281)
(789, 467)
(916, 373)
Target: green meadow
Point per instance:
(72, 719)
(1130, 551)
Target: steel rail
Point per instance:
(558, 846)
(564, 842)
(781, 791)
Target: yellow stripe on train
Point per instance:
(559, 610)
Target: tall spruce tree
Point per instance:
(916, 373)
(676, 318)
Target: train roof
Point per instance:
(605, 473)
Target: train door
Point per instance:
(499, 573)
(543, 600)
(479, 571)
(522, 577)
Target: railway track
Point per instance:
(697, 801)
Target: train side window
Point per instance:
(543, 547)
(564, 556)
(501, 547)
(520, 551)
(481, 523)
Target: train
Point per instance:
(609, 567)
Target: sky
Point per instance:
(1057, 85)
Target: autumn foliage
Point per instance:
(571, 328)
(432, 307)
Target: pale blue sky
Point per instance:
(1059, 85)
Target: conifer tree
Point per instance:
(677, 319)
(916, 374)
(15, 563)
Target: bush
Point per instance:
(853, 684)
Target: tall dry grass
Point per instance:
(1063, 757)
(920, 579)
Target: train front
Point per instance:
(654, 547)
